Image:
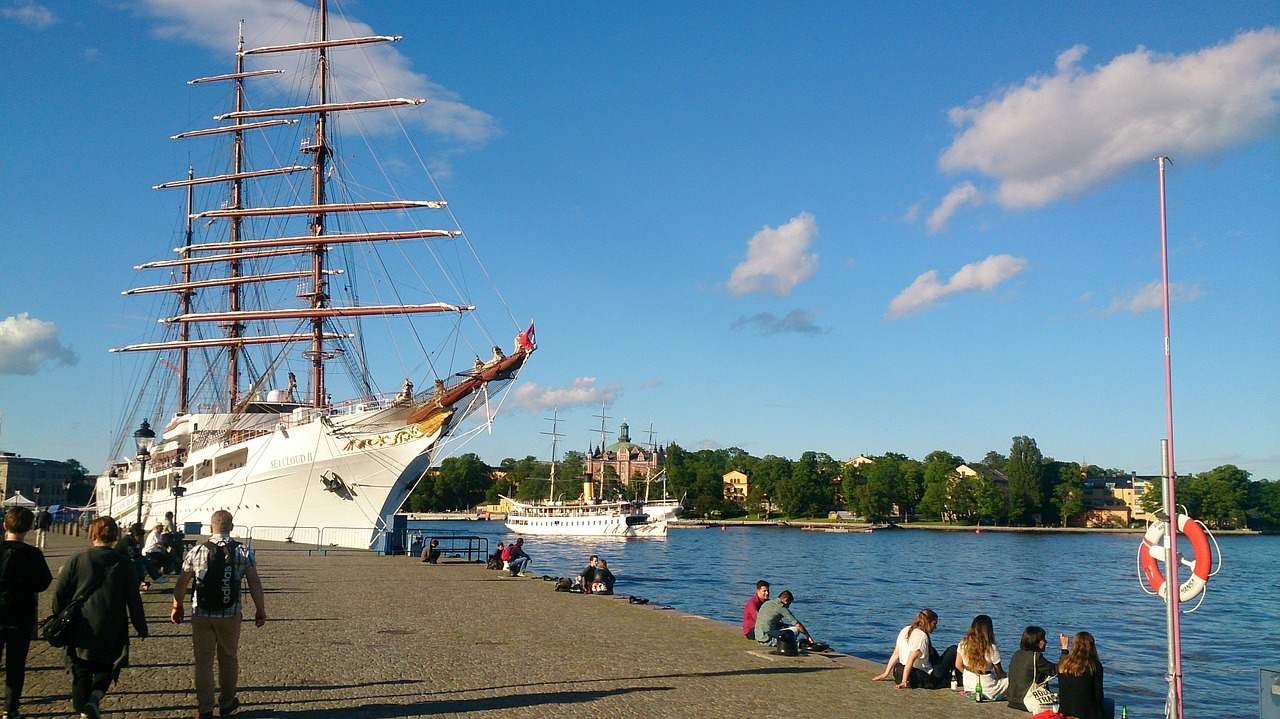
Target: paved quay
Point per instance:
(369, 637)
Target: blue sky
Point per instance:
(724, 218)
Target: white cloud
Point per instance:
(962, 194)
(29, 13)
(777, 258)
(912, 213)
(982, 275)
(365, 72)
(583, 391)
(27, 343)
(1151, 297)
(1061, 133)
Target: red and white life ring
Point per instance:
(1153, 552)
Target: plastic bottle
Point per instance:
(1124, 712)
(977, 691)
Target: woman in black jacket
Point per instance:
(99, 646)
(1080, 680)
(25, 574)
(1029, 665)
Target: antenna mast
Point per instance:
(554, 419)
(603, 416)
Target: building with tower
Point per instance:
(624, 460)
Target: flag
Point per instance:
(526, 341)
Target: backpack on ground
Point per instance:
(219, 589)
(787, 644)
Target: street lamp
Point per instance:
(37, 492)
(144, 437)
(178, 491)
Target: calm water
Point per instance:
(857, 590)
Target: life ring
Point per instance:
(1153, 552)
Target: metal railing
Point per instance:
(468, 547)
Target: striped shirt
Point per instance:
(197, 562)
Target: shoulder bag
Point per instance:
(59, 629)
(1038, 696)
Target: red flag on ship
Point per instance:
(525, 340)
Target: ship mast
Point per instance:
(233, 236)
(184, 304)
(321, 149)
(554, 419)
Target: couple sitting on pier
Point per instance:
(770, 622)
(973, 666)
(510, 558)
(595, 579)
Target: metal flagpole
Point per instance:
(1173, 708)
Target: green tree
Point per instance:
(962, 498)
(1222, 492)
(805, 493)
(938, 466)
(851, 483)
(990, 500)
(1069, 493)
(995, 460)
(877, 495)
(1265, 499)
(1023, 470)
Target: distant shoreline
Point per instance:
(862, 527)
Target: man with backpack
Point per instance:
(217, 567)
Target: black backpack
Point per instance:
(219, 589)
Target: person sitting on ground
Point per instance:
(495, 559)
(1080, 681)
(156, 551)
(775, 624)
(431, 555)
(505, 556)
(752, 607)
(978, 658)
(1028, 666)
(584, 579)
(602, 579)
(518, 558)
(914, 662)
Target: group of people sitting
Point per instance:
(510, 557)
(154, 553)
(770, 622)
(973, 665)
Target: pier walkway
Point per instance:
(369, 637)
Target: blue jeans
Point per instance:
(518, 564)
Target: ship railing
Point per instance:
(453, 545)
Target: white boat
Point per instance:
(584, 517)
(291, 463)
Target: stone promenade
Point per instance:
(362, 636)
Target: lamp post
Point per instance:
(178, 491)
(37, 493)
(144, 437)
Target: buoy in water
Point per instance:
(977, 531)
(722, 528)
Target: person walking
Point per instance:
(99, 645)
(44, 520)
(217, 566)
(25, 574)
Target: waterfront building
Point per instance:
(860, 460)
(44, 481)
(624, 460)
(1116, 501)
(737, 485)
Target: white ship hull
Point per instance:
(568, 520)
(331, 480)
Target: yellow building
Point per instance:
(736, 486)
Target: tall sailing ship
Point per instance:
(286, 458)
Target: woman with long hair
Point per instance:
(978, 659)
(1029, 666)
(914, 662)
(99, 646)
(1080, 680)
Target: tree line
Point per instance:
(1022, 487)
